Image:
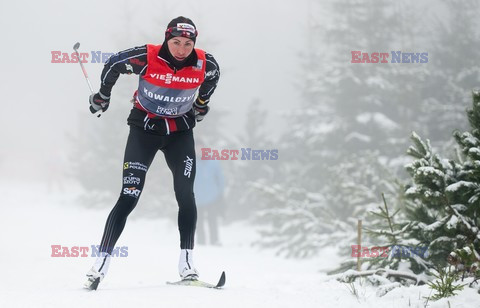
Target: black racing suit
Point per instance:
(148, 134)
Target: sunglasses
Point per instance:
(184, 32)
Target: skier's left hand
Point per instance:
(201, 109)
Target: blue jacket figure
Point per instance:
(208, 188)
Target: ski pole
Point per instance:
(75, 47)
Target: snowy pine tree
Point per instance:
(465, 194)
(428, 205)
(440, 210)
(353, 123)
(333, 145)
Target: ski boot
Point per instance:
(98, 271)
(186, 269)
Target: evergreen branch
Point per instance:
(422, 262)
(434, 226)
(381, 215)
(351, 275)
(387, 233)
(421, 149)
(389, 218)
(473, 230)
(442, 239)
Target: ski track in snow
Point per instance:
(32, 221)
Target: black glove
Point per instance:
(201, 109)
(98, 101)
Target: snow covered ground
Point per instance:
(32, 221)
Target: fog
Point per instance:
(320, 123)
(255, 43)
(288, 84)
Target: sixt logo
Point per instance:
(132, 192)
(383, 57)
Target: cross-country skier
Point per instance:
(175, 84)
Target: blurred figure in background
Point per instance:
(57, 163)
(209, 188)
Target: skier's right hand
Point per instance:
(98, 101)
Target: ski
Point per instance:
(91, 284)
(199, 283)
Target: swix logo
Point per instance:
(128, 67)
(132, 191)
(188, 166)
(169, 78)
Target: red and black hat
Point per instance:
(181, 26)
